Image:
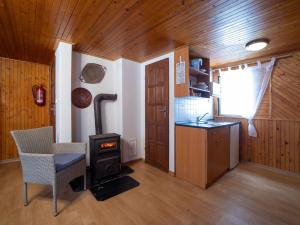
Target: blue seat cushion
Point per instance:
(64, 160)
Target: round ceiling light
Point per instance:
(257, 45)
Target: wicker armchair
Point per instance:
(45, 162)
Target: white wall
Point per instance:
(129, 108)
(122, 116)
(170, 56)
(126, 116)
(131, 114)
(83, 120)
(63, 64)
(118, 64)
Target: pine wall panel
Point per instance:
(277, 121)
(17, 108)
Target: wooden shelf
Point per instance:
(192, 75)
(195, 72)
(199, 89)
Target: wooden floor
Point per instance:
(246, 195)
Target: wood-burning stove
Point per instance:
(105, 156)
(105, 151)
(105, 159)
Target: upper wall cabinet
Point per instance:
(191, 74)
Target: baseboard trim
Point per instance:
(132, 161)
(273, 169)
(171, 173)
(9, 161)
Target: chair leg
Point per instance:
(54, 201)
(84, 181)
(25, 196)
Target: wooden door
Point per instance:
(157, 114)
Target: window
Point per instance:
(237, 92)
(243, 89)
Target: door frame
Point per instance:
(168, 113)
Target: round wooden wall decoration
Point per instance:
(92, 73)
(81, 97)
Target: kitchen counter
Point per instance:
(205, 125)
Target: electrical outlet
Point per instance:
(132, 147)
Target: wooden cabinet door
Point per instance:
(217, 152)
(191, 155)
(157, 114)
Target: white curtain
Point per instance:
(243, 89)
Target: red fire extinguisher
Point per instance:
(39, 94)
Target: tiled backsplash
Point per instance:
(188, 108)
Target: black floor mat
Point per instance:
(113, 187)
(77, 183)
(126, 170)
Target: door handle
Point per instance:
(164, 110)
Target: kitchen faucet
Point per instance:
(199, 118)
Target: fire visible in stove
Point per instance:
(105, 156)
(108, 145)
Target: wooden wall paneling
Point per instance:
(282, 150)
(264, 109)
(259, 141)
(263, 143)
(1, 110)
(9, 98)
(255, 148)
(297, 147)
(5, 113)
(2, 105)
(278, 146)
(287, 144)
(286, 88)
(277, 120)
(274, 139)
(270, 142)
(246, 146)
(266, 142)
(292, 145)
(246, 151)
(17, 109)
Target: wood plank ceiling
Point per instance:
(141, 29)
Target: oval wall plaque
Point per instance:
(92, 73)
(81, 97)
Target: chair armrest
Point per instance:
(69, 148)
(38, 168)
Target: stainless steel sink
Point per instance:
(201, 122)
(205, 123)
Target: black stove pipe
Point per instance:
(97, 108)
